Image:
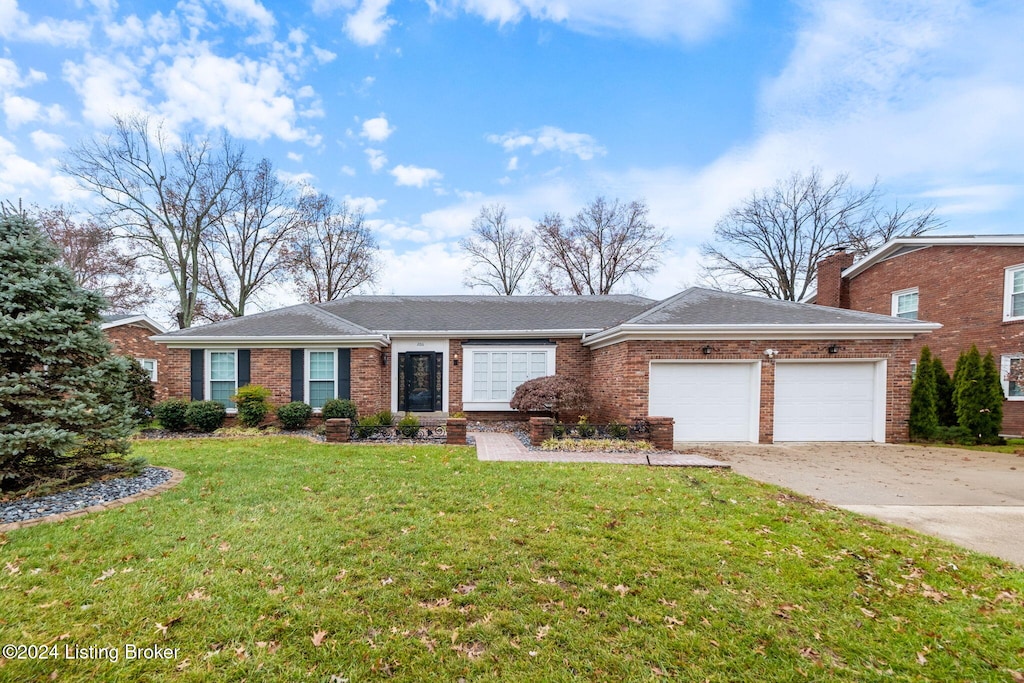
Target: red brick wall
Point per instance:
(621, 374)
(832, 290)
(960, 287)
(271, 368)
(133, 341)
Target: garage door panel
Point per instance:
(709, 401)
(825, 401)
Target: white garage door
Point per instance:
(829, 402)
(709, 401)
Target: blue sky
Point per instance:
(422, 111)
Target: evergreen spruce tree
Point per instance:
(991, 420)
(924, 420)
(968, 392)
(60, 385)
(943, 394)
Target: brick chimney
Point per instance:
(832, 289)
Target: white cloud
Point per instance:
(376, 159)
(548, 139)
(46, 142)
(129, 32)
(435, 268)
(347, 170)
(21, 177)
(368, 205)
(107, 86)
(323, 56)
(370, 23)
(294, 156)
(300, 179)
(377, 129)
(513, 164)
(246, 12)
(415, 176)
(247, 97)
(15, 25)
(685, 20)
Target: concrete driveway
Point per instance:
(972, 498)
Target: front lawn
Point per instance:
(279, 559)
(1011, 446)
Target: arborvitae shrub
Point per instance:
(923, 414)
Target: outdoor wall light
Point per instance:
(835, 348)
(384, 358)
(771, 352)
(455, 359)
(706, 349)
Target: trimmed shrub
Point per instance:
(554, 394)
(924, 418)
(617, 430)
(294, 415)
(943, 394)
(367, 426)
(338, 407)
(584, 428)
(385, 417)
(409, 426)
(206, 416)
(252, 404)
(171, 413)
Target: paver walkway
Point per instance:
(507, 448)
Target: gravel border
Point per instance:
(103, 495)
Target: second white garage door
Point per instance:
(834, 401)
(709, 401)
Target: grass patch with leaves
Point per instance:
(596, 445)
(280, 559)
(1011, 446)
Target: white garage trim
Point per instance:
(704, 411)
(835, 410)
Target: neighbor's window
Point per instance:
(1013, 377)
(149, 365)
(904, 304)
(497, 374)
(1013, 293)
(321, 378)
(223, 378)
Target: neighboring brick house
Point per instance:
(973, 286)
(130, 334)
(726, 367)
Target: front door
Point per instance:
(420, 383)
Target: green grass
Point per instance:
(421, 563)
(1012, 446)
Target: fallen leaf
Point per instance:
(672, 622)
(104, 576)
(1017, 676)
(465, 588)
(868, 613)
(921, 659)
(582, 610)
(306, 488)
(444, 567)
(224, 547)
(341, 575)
(620, 589)
(318, 638)
(387, 582)
(198, 594)
(543, 631)
(183, 664)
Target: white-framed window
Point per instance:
(149, 365)
(321, 377)
(1013, 293)
(904, 303)
(913, 369)
(496, 372)
(223, 377)
(1012, 364)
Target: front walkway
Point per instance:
(497, 446)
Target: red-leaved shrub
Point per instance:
(554, 394)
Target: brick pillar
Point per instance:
(832, 291)
(662, 432)
(455, 429)
(338, 429)
(541, 429)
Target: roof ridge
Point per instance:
(333, 317)
(658, 305)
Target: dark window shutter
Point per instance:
(244, 367)
(438, 380)
(298, 374)
(197, 385)
(344, 373)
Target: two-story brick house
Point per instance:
(972, 285)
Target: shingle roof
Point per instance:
(490, 313)
(698, 306)
(303, 320)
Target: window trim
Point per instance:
(1004, 369)
(1008, 292)
(208, 390)
(153, 374)
(896, 299)
(468, 402)
(306, 368)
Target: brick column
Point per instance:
(455, 429)
(662, 432)
(338, 429)
(541, 429)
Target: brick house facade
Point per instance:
(130, 335)
(964, 283)
(443, 355)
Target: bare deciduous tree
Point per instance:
(601, 246)
(771, 242)
(164, 194)
(98, 262)
(241, 252)
(332, 251)
(501, 254)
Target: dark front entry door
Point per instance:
(420, 383)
